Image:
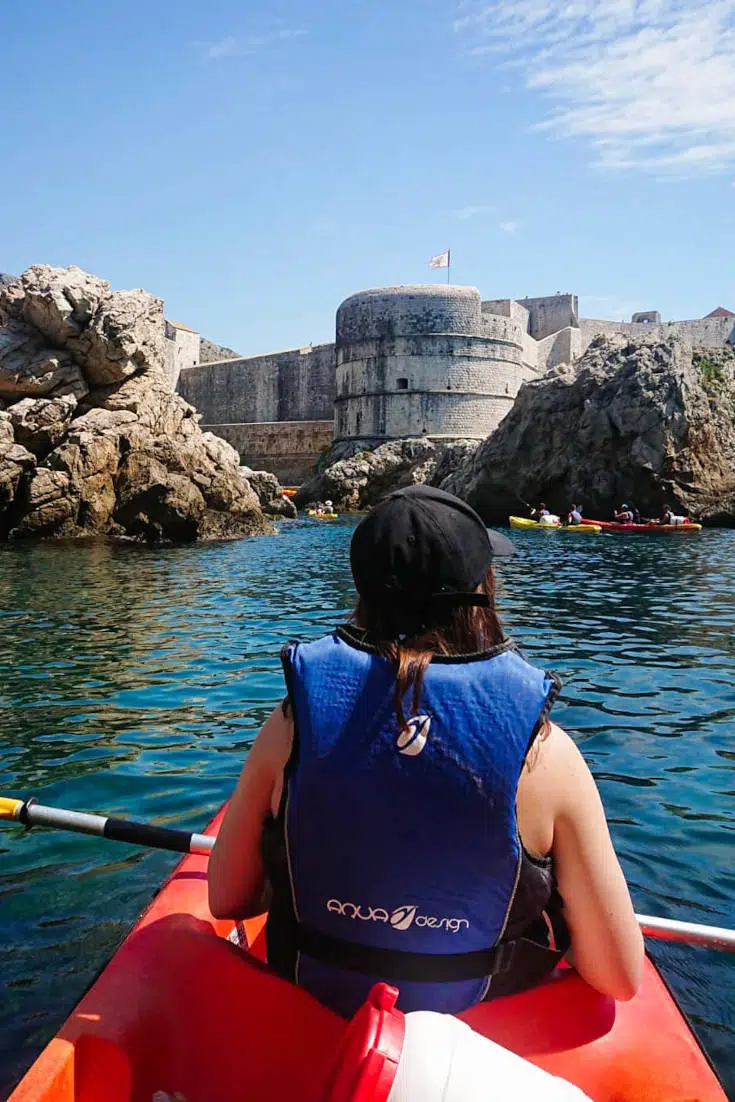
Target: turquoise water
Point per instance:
(133, 681)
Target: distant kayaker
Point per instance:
(410, 810)
(539, 512)
(668, 517)
(624, 515)
(575, 515)
(328, 507)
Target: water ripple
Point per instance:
(133, 681)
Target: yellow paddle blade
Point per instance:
(9, 809)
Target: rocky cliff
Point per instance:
(354, 476)
(209, 352)
(92, 441)
(270, 494)
(641, 421)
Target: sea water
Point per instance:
(133, 681)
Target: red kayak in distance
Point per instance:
(643, 529)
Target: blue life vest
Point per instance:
(402, 850)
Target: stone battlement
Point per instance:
(427, 360)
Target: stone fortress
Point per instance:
(430, 360)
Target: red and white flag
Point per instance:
(440, 261)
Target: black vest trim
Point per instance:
(358, 638)
(399, 966)
(281, 926)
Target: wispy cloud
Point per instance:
(242, 45)
(478, 210)
(488, 211)
(649, 83)
(225, 47)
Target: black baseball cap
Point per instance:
(424, 550)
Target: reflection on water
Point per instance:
(133, 681)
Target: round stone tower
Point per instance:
(424, 361)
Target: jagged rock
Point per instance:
(270, 494)
(108, 448)
(112, 334)
(209, 352)
(40, 424)
(155, 503)
(643, 421)
(49, 507)
(355, 479)
(125, 336)
(29, 368)
(61, 309)
(15, 463)
(453, 456)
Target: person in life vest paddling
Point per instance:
(410, 811)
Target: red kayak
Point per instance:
(183, 1012)
(644, 529)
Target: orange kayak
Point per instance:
(182, 1008)
(644, 529)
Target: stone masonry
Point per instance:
(431, 361)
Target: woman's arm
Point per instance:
(607, 943)
(236, 875)
(606, 940)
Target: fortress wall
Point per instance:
(531, 357)
(181, 351)
(172, 370)
(506, 307)
(288, 449)
(387, 417)
(499, 306)
(708, 332)
(424, 361)
(550, 314)
(563, 347)
(418, 309)
(297, 385)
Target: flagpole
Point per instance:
(449, 263)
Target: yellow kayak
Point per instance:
(524, 522)
(322, 516)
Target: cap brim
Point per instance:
(500, 546)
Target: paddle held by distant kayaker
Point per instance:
(414, 813)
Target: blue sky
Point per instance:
(254, 164)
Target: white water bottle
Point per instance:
(444, 1060)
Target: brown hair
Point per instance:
(466, 630)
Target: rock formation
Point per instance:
(353, 476)
(270, 493)
(209, 352)
(642, 421)
(92, 441)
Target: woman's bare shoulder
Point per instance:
(273, 745)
